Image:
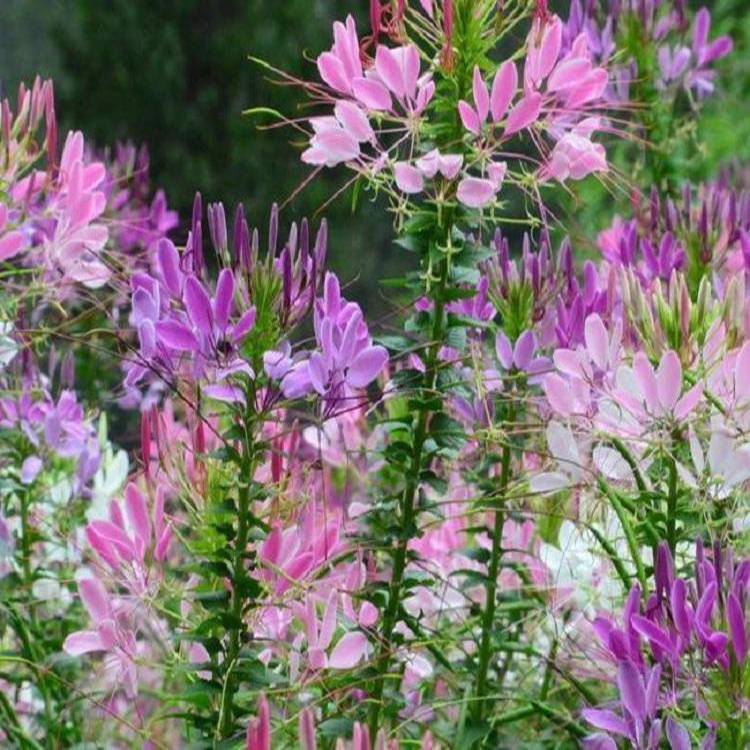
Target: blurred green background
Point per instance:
(175, 74)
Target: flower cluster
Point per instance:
(382, 121)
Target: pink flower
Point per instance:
(111, 634)
(649, 394)
(408, 178)
(348, 651)
(477, 192)
(574, 156)
(340, 66)
(433, 162)
(504, 86)
(331, 144)
(123, 541)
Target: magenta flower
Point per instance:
(123, 541)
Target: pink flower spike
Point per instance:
(524, 114)
(737, 630)
(481, 95)
(469, 117)
(408, 178)
(475, 192)
(503, 88)
(307, 730)
(258, 735)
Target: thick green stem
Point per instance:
(239, 574)
(408, 502)
(488, 618)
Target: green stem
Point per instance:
(488, 618)
(630, 536)
(225, 727)
(408, 503)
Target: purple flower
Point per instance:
(345, 361)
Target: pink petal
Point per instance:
(11, 244)
(373, 94)
(354, 120)
(597, 342)
(429, 164)
(688, 402)
(469, 117)
(169, 265)
(558, 394)
(135, 507)
(198, 304)
(176, 336)
(349, 651)
(95, 598)
(525, 113)
(644, 375)
(328, 624)
(503, 88)
(224, 297)
(496, 171)
(475, 192)
(481, 95)
(568, 73)
(549, 50)
(389, 70)
(607, 720)
(669, 380)
(591, 88)
(741, 370)
(408, 177)
(333, 73)
(367, 365)
(410, 62)
(450, 165)
(244, 325)
(83, 642)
